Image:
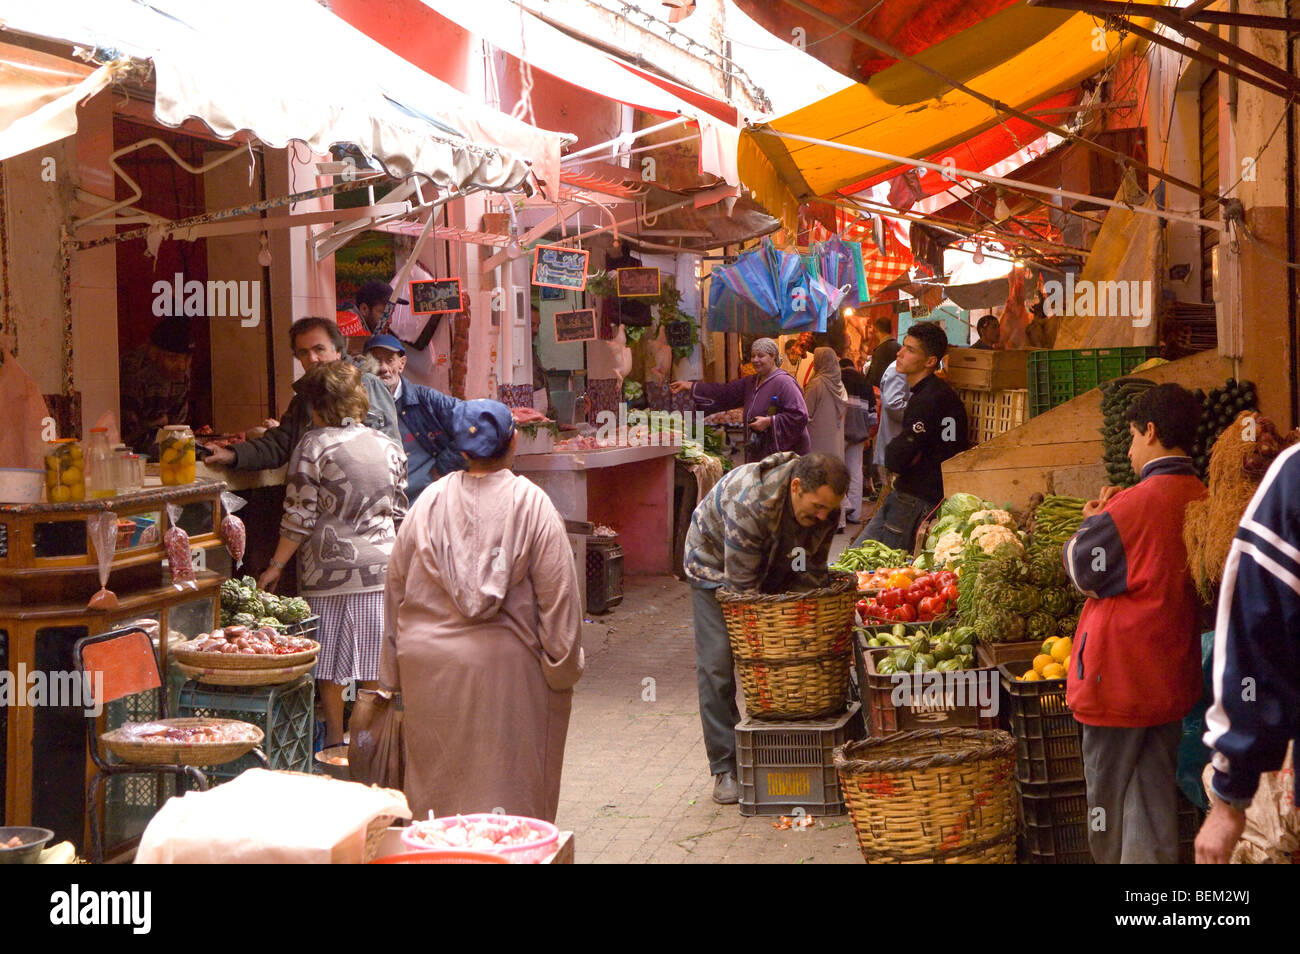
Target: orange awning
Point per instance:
(1022, 55)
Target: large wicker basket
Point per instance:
(932, 796)
(792, 651)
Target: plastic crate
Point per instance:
(284, 713)
(604, 574)
(783, 766)
(306, 627)
(1059, 376)
(1055, 816)
(1049, 745)
(991, 413)
(960, 706)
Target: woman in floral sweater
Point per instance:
(344, 495)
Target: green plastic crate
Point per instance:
(1059, 376)
(284, 713)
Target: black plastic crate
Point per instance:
(1055, 816)
(284, 713)
(604, 574)
(783, 766)
(1049, 744)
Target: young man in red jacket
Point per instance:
(1135, 670)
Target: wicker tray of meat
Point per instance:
(182, 741)
(238, 647)
(213, 676)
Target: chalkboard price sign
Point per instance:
(638, 282)
(575, 325)
(555, 266)
(438, 296)
(678, 334)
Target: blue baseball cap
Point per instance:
(483, 428)
(383, 341)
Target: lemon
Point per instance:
(1042, 661)
(78, 491)
(1060, 651)
(1054, 671)
(60, 494)
(1031, 676)
(1048, 643)
(73, 476)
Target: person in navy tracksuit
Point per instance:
(424, 417)
(1256, 666)
(1135, 668)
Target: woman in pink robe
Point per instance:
(482, 634)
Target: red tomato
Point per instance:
(930, 606)
(906, 613)
(915, 593)
(947, 578)
(891, 598)
(949, 593)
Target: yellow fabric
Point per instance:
(1019, 56)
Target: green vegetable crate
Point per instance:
(1059, 376)
(783, 767)
(941, 699)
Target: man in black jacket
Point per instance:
(885, 352)
(315, 341)
(934, 429)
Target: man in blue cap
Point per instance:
(424, 416)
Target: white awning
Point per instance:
(291, 70)
(39, 95)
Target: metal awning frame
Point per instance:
(1266, 76)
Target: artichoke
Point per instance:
(1057, 602)
(1047, 569)
(269, 621)
(1039, 626)
(244, 619)
(1003, 626)
(1067, 625)
(1022, 598)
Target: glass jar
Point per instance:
(100, 472)
(176, 455)
(65, 471)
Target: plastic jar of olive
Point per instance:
(176, 455)
(65, 471)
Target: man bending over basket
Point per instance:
(765, 527)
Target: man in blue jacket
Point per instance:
(1256, 709)
(424, 416)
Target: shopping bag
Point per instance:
(375, 747)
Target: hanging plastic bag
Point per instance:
(176, 544)
(232, 531)
(102, 530)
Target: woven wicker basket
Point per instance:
(138, 752)
(932, 796)
(792, 650)
(795, 688)
(245, 677)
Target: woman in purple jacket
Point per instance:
(776, 418)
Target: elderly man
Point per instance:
(314, 341)
(424, 416)
(156, 384)
(764, 527)
(483, 634)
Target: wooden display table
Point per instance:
(48, 571)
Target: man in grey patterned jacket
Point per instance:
(764, 527)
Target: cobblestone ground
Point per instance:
(636, 784)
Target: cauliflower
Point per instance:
(997, 517)
(949, 547)
(990, 536)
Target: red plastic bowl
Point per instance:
(443, 858)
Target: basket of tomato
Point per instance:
(928, 597)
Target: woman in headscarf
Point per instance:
(776, 418)
(827, 401)
(483, 624)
